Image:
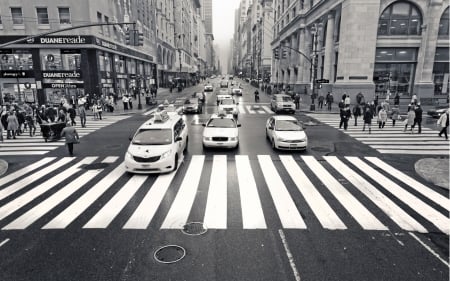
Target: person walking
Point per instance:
(13, 125)
(297, 101)
(71, 135)
(125, 102)
(368, 115)
(329, 100)
(61, 115)
(418, 119)
(82, 113)
(2, 110)
(99, 109)
(72, 114)
(30, 123)
(382, 118)
(346, 116)
(395, 115)
(410, 120)
(321, 99)
(356, 113)
(443, 122)
(347, 101)
(51, 113)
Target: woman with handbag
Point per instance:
(71, 135)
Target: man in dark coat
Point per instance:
(418, 119)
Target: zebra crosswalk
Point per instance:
(392, 140)
(245, 109)
(36, 145)
(339, 193)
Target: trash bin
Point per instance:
(148, 100)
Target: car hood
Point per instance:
(291, 135)
(148, 150)
(220, 132)
(227, 106)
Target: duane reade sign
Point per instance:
(63, 40)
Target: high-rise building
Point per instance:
(207, 15)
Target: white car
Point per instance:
(221, 130)
(158, 145)
(229, 106)
(223, 95)
(286, 132)
(208, 88)
(236, 91)
(281, 103)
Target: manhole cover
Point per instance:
(320, 149)
(194, 228)
(169, 254)
(96, 166)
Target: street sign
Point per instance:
(132, 76)
(320, 81)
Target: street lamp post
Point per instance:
(315, 31)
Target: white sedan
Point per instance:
(221, 130)
(229, 106)
(286, 132)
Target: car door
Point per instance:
(270, 127)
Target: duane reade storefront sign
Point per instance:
(63, 40)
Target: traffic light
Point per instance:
(276, 54)
(129, 37)
(284, 53)
(140, 39)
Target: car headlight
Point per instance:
(233, 138)
(166, 154)
(207, 138)
(128, 155)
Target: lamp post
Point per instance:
(315, 32)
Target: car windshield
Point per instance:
(285, 99)
(288, 125)
(227, 101)
(221, 123)
(153, 137)
(191, 101)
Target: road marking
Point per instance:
(266, 108)
(144, 213)
(110, 159)
(25, 170)
(252, 213)
(287, 211)
(429, 249)
(397, 214)
(24, 153)
(439, 220)
(289, 255)
(366, 219)
(324, 213)
(111, 209)
(4, 242)
(181, 206)
(216, 205)
(81, 204)
(418, 152)
(249, 109)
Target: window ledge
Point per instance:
(43, 26)
(19, 26)
(65, 25)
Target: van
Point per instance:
(158, 146)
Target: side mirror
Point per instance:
(178, 139)
(130, 138)
(204, 125)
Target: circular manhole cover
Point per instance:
(96, 166)
(169, 254)
(194, 228)
(320, 149)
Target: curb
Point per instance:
(3, 167)
(434, 170)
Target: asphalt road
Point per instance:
(259, 242)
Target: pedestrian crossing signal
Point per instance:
(276, 54)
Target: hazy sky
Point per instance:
(223, 26)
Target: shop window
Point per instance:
(16, 14)
(441, 71)
(17, 60)
(119, 64)
(53, 59)
(400, 18)
(444, 24)
(42, 15)
(64, 15)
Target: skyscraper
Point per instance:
(207, 14)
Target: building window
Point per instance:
(42, 15)
(394, 70)
(336, 60)
(60, 59)
(64, 16)
(444, 24)
(324, 37)
(338, 29)
(17, 60)
(99, 20)
(106, 27)
(17, 17)
(441, 71)
(302, 4)
(400, 18)
(294, 11)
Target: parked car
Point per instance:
(282, 103)
(221, 130)
(192, 105)
(286, 132)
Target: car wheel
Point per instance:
(175, 163)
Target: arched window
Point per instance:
(400, 18)
(444, 24)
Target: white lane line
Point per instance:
(110, 159)
(4, 242)
(242, 109)
(425, 190)
(430, 250)
(397, 214)
(34, 177)
(406, 142)
(366, 219)
(439, 220)
(29, 196)
(249, 109)
(51, 202)
(144, 213)
(266, 108)
(324, 213)
(31, 144)
(418, 152)
(252, 213)
(411, 147)
(23, 153)
(289, 255)
(111, 209)
(81, 204)
(216, 205)
(4, 180)
(287, 211)
(181, 206)
(29, 148)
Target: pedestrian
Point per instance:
(375, 101)
(82, 113)
(30, 123)
(443, 122)
(356, 113)
(71, 135)
(321, 99)
(360, 98)
(130, 102)
(297, 101)
(72, 114)
(111, 104)
(395, 115)
(418, 119)
(397, 99)
(1, 123)
(95, 111)
(382, 118)
(346, 116)
(125, 102)
(21, 119)
(62, 118)
(414, 99)
(368, 115)
(410, 120)
(347, 101)
(4, 118)
(99, 109)
(51, 113)
(13, 125)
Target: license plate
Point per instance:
(293, 145)
(146, 165)
(220, 143)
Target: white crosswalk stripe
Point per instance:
(332, 187)
(36, 145)
(391, 140)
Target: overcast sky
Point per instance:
(223, 26)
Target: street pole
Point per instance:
(138, 82)
(314, 66)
